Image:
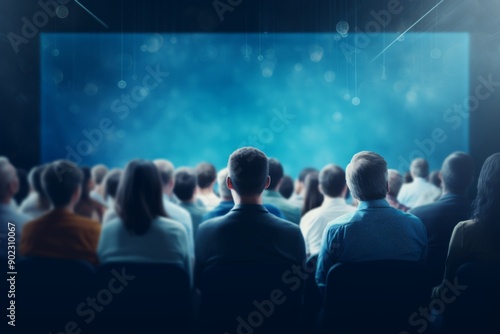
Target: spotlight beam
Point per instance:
(93, 15)
(404, 32)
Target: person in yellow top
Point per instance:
(60, 233)
(478, 239)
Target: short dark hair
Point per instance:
(206, 174)
(60, 180)
(87, 176)
(286, 186)
(139, 198)
(185, 183)
(111, 182)
(303, 173)
(457, 172)
(332, 180)
(248, 170)
(395, 181)
(312, 198)
(275, 172)
(367, 176)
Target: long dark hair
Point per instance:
(312, 198)
(139, 196)
(487, 202)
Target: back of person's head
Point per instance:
(8, 179)
(139, 197)
(395, 182)
(61, 180)
(366, 176)
(407, 178)
(487, 202)
(248, 170)
(35, 181)
(435, 179)
(166, 170)
(304, 172)
(312, 196)
(99, 173)
(206, 174)
(111, 182)
(275, 172)
(286, 186)
(457, 172)
(419, 168)
(185, 184)
(24, 187)
(224, 191)
(332, 180)
(87, 183)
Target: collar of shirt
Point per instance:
(420, 180)
(330, 202)
(252, 207)
(378, 203)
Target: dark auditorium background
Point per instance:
(20, 72)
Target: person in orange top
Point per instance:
(60, 233)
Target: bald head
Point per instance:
(8, 180)
(457, 172)
(224, 191)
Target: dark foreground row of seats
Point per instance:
(72, 297)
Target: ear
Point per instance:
(229, 183)
(268, 182)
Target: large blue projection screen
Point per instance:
(307, 99)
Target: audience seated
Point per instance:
(142, 232)
(312, 196)
(37, 203)
(441, 217)
(9, 185)
(273, 197)
(174, 211)
(60, 233)
(185, 190)
(478, 239)
(24, 186)
(299, 191)
(395, 184)
(286, 187)
(375, 231)
(87, 206)
(248, 233)
(227, 202)
(99, 173)
(419, 191)
(333, 186)
(206, 175)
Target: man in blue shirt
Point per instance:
(375, 231)
(227, 202)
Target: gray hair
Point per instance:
(166, 170)
(395, 182)
(221, 182)
(419, 168)
(366, 176)
(7, 175)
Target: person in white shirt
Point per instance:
(174, 211)
(207, 175)
(420, 191)
(37, 203)
(99, 173)
(111, 182)
(141, 232)
(332, 184)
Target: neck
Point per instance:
(205, 191)
(227, 199)
(248, 199)
(66, 208)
